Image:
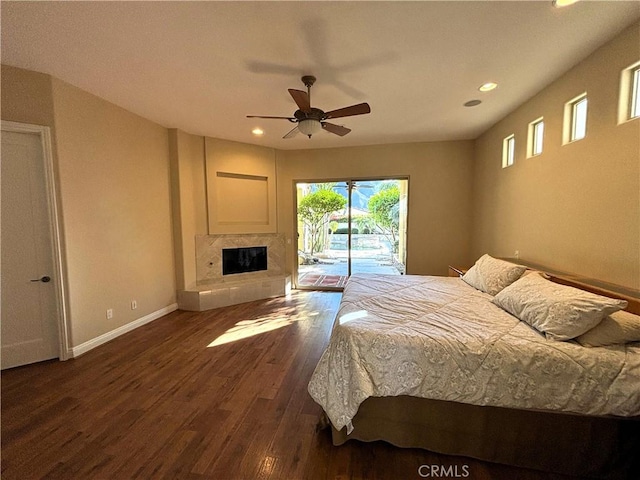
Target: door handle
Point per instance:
(44, 279)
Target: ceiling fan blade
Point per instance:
(337, 129)
(302, 100)
(292, 133)
(291, 119)
(358, 109)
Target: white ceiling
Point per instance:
(203, 66)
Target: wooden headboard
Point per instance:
(590, 285)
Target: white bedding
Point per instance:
(439, 338)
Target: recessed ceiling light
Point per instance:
(257, 132)
(472, 103)
(487, 87)
(563, 3)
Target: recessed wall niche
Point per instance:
(241, 187)
(242, 199)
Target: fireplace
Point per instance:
(210, 252)
(243, 260)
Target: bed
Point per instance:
(436, 363)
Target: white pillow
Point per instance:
(491, 275)
(472, 277)
(559, 311)
(615, 329)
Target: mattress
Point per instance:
(439, 338)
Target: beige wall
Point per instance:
(113, 184)
(241, 187)
(27, 97)
(576, 207)
(113, 177)
(189, 200)
(115, 194)
(439, 194)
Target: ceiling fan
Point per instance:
(311, 120)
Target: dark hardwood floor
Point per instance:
(212, 395)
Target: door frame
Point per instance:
(58, 274)
(347, 179)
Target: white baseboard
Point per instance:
(104, 338)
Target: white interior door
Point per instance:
(29, 310)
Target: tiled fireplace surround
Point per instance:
(214, 290)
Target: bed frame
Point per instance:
(586, 446)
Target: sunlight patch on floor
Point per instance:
(250, 328)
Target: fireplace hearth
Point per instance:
(256, 280)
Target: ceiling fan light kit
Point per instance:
(309, 126)
(311, 120)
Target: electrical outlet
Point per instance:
(109, 313)
(134, 304)
(517, 254)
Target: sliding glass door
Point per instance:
(350, 226)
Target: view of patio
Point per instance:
(349, 230)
